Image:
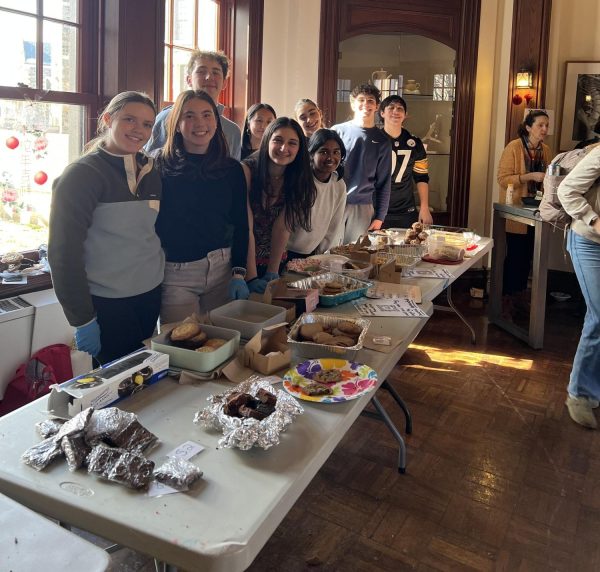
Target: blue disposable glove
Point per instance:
(238, 289)
(87, 338)
(257, 285)
(270, 276)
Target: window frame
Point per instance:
(88, 67)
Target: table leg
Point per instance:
(538, 285)
(383, 414)
(453, 308)
(498, 256)
(161, 566)
(387, 386)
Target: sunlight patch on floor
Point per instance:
(477, 359)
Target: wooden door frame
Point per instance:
(454, 23)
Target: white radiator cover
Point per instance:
(27, 328)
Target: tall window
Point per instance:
(189, 25)
(45, 96)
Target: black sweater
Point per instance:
(199, 215)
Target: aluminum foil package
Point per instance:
(177, 473)
(41, 455)
(75, 449)
(107, 422)
(76, 424)
(49, 427)
(124, 467)
(247, 432)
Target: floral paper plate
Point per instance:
(357, 379)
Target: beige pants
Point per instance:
(357, 219)
(195, 287)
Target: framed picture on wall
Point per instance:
(581, 105)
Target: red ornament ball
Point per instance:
(12, 142)
(517, 99)
(40, 177)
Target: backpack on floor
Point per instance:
(33, 379)
(551, 209)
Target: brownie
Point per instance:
(75, 449)
(266, 397)
(177, 473)
(235, 401)
(102, 459)
(132, 470)
(41, 455)
(133, 436)
(76, 424)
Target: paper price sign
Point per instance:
(186, 451)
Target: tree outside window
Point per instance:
(45, 97)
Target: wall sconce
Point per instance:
(524, 79)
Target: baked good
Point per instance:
(315, 389)
(205, 349)
(199, 338)
(343, 341)
(75, 449)
(133, 436)
(132, 470)
(308, 331)
(417, 226)
(349, 328)
(328, 376)
(266, 397)
(214, 343)
(177, 473)
(184, 331)
(102, 459)
(323, 338)
(41, 455)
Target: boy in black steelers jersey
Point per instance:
(409, 166)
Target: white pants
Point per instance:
(195, 287)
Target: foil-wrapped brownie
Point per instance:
(75, 449)
(133, 436)
(49, 427)
(177, 473)
(102, 459)
(243, 430)
(132, 470)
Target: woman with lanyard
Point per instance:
(522, 165)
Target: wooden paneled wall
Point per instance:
(530, 39)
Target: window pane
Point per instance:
(180, 61)
(207, 24)
(61, 9)
(60, 57)
(18, 38)
(23, 5)
(48, 137)
(183, 23)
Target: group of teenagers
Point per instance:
(159, 218)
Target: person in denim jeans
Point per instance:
(580, 197)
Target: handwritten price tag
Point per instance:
(156, 489)
(186, 451)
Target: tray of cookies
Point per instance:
(321, 335)
(334, 288)
(197, 347)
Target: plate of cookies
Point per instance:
(320, 335)
(197, 347)
(329, 380)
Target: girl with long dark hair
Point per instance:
(281, 195)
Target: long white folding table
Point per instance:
(224, 521)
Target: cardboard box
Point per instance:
(304, 300)
(266, 353)
(388, 272)
(108, 384)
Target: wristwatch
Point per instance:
(238, 271)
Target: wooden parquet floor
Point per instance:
(498, 477)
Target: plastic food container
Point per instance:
(199, 361)
(354, 288)
(362, 271)
(246, 316)
(313, 350)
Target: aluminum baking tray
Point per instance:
(313, 350)
(355, 288)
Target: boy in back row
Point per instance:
(367, 167)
